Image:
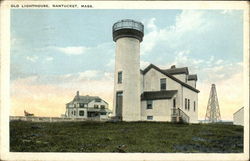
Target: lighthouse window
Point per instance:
(194, 105)
(163, 83)
(119, 77)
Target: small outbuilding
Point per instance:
(239, 117)
(87, 107)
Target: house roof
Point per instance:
(170, 76)
(84, 99)
(71, 102)
(192, 77)
(155, 95)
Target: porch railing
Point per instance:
(178, 113)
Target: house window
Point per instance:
(149, 117)
(96, 106)
(119, 77)
(185, 103)
(81, 113)
(102, 107)
(188, 104)
(81, 105)
(163, 83)
(174, 103)
(103, 113)
(149, 104)
(194, 105)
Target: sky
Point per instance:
(55, 53)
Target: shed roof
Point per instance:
(155, 95)
(239, 110)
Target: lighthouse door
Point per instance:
(118, 110)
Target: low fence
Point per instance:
(53, 119)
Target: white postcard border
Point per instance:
(5, 84)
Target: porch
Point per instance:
(177, 115)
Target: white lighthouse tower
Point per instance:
(127, 34)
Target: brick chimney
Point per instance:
(173, 66)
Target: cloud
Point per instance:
(187, 21)
(111, 63)
(49, 28)
(32, 58)
(72, 50)
(184, 59)
(89, 74)
(49, 59)
(151, 24)
(149, 40)
(79, 50)
(219, 61)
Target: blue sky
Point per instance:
(62, 47)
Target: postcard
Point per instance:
(117, 80)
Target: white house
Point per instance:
(238, 117)
(153, 93)
(87, 107)
(169, 94)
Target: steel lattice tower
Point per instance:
(213, 109)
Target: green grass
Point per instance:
(156, 137)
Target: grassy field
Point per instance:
(124, 137)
